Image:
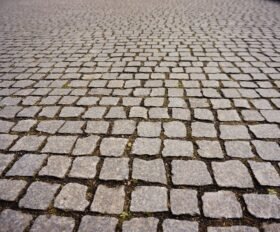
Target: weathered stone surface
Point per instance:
(149, 171)
(98, 224)
(53, 223)
(174, 129)
(263, 205)
(146, 146)
(149, 199)
(177, 148)
(239, 149)
(84, 167)
(85, 146)
(212, 202)
(202, 129)
(108, 200)
(27, 165)
(232, 174)
(149, 129)
(39, 195)
(60, 144)
(184, 201)
(265, 173)
(191, 172)
(113, 146)
(56, 166)
(115, 169)
(210, 149)
(267, 150)
(172, 225)
(10, 189)
(149, 224)
(72, 197)
(16, 221)
(5, 160)
(232, 229)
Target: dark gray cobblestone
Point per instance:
(151, 115)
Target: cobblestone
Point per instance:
(146, 115)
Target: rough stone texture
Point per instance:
(209, 149)
(267, 150)
(232, 229)
(108, 200)
(263, 205)
(56, 166)
(5, 160)
(184, 201)
(149, 199)
(113, 146)
(11, 220)
(191, 172)
(53, 223)
(149, 129)
(212, 202)
(10, 189)
(115, 169)
(72, 197)
(84, 167)
(39, 195)
(177, 148)
(60, 144)
(232, 174)
(85, 146)
(172, 225)
(98, 224)
(146, 146)
(27, 165)
(265, 173)
(133, 93)
(149, 224)
(149, 171)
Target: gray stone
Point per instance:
(115, 169)
(184, 201)
(203, 114)
(172, 225)
(53, 223)
(97, 127)
(5, 161)
(158, 113)
(72, 127)
(265, 173)
(181, 114)
(72, 197)
(234, 132)
(15, 221)
(146, 146)
(24, 125)
(239, 149)
(10, 189)
(39, 195)
(6, 140)
(232, 229)
(95, 112)
(221, 204)
(149, 224)
(228, 115)
(177, 148)
(56, 166)
(116, 112)
(113, 146)
(263, 205)
(98, 224)
(191, 172)
(50, 126)
(202, 129)
(150, 170)
(209, 149)
(267, 150)
(71, 112)
(60, 144)
(266, 131)
(149, 129)
(124, 127)
(232, 173)
(273, 227)
(108, 200)
(174, 129)
(86, 145)
(149, 199)
(138, 112)
(84, 167)
(28, 143)
(27, 165)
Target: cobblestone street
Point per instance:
(139, 115)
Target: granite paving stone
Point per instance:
(128, 115)
(53, 223)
